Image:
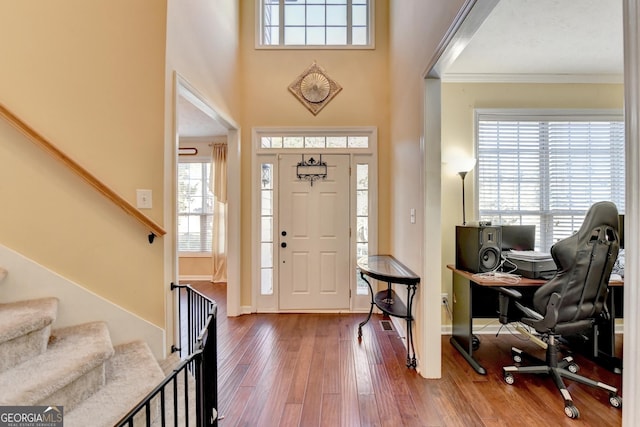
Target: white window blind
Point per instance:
(548, 169)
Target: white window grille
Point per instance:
(315, 23)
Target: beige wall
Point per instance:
(190, 266)
(458, 103)
(97, 78)
(363, 101)
(90, 77)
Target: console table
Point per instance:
(388, 269)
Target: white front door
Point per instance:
(314, 235)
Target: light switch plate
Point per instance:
(144, 199)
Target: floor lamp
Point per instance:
(464, 167)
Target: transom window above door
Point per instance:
(341, 141)
(315, 23)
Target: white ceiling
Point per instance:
(545, 40)
(193, 122)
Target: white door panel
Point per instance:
(314, 236)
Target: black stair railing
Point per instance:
(193, 309)
(194, 382)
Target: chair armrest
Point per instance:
(509, 292)
(504, 296)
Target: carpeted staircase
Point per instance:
(75, 367)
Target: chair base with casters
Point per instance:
(558, 369)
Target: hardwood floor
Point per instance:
(310, 370)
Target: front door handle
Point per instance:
(283, 244)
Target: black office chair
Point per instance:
(571, 302)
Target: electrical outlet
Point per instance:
(444, 298)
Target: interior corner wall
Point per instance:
(416, 29)
(459, 101)
(88, 76)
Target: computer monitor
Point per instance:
(518, 237)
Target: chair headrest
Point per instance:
(600, 213)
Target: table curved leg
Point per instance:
(411, 361)
(361, 324)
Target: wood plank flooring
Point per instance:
(310, 370)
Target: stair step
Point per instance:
(130, 375)
(72, 368)
(24, 329)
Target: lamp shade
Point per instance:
(463, 164)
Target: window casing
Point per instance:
(195, 207)
(547, 168)
(314, 23)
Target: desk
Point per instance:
(388, 269)
(603, 349)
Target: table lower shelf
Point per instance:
(388, 301)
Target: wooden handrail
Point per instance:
(42, 142)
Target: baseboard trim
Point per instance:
(195, 278)
(494, 328)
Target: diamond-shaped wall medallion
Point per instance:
(314, 88)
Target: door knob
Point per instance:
(283, 245)
(284, 233)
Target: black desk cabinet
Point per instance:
(388, 269)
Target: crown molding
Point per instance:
(533, 78)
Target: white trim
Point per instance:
(183, 88)
(493, 327)
(259, 155)
(560, 114)
(429, 345)
(468, 20)
(533, 78)
(196, 277)
(194, 255)
(631, 362)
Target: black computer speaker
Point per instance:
(478, 248)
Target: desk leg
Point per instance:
(462, 331)
(361, 324)
(604, 338)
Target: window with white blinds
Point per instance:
(547, 168)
